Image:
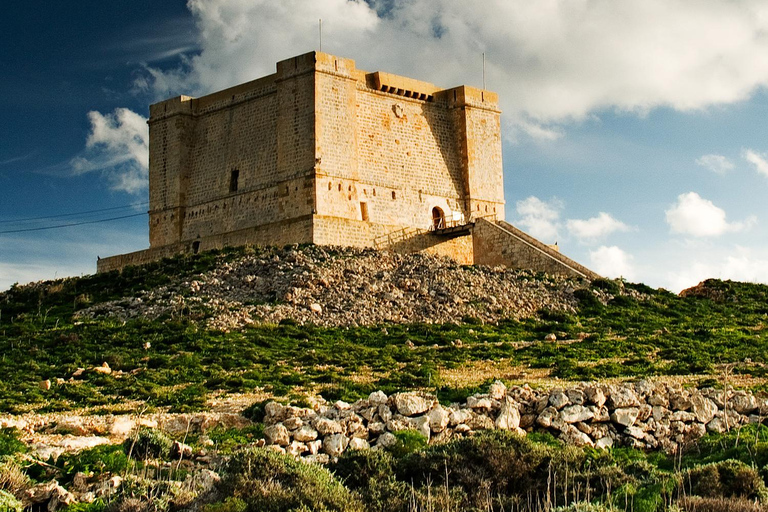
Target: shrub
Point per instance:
(148, 443)
(12, 477)
(408, 441)
(8, 502)
(109, 458)
(228, 505)
(699, 504)
(10, 443)
(727, 479)
(268, 481)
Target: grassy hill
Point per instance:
(159, 329)
(616, 330)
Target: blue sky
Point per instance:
(635, 132)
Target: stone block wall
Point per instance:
(501, 244)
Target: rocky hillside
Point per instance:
(346, 287)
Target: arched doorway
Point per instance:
(438, 218)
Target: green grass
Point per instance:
(659, 334)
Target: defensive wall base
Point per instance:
(482, 243)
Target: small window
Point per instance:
(233, 179)
(394, 195)
(195, 247)
(330, 185)
(364, 211)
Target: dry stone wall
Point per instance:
(645, 415)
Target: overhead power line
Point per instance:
(145, 203)
(70, 225)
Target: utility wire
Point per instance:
(73, 214)
(70, 225)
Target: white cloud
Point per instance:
(118, 147)
(759, 160)
(596, 227)
(552, 62)
(612, 262)
(741, 265)
(715, 163)
(540, 218)
(699, 217)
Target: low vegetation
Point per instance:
(714, 334)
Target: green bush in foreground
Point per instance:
(8, 503)
(10, 443)
(267, 481)
(148, 443)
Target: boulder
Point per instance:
(576, 413)
(703, 408)
(277, 434)
(625, 416)
(595, 395)
(438, 418)
(325, 426)
(497, 390)
(743, 403)
(411, 404)
(572, 435)
(558, 399)
(377, 398)
(305, 433)
(386, 440)
(509, 416)
(335, 444)
(358, 444)
(622, 397)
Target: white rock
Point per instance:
(743, 403)
(122, 426)
(558, 399)
(604, 443)
(497, 390)
(385, 413)
(546, 417)
(438, 418)
(335, 444)
(386, 440)
(358, 444)
(277, 434)
(625, 416)
(459, 416)
(484, 403)
(316, 308)
(576, 413)
(595, 395)
(325, 426)
(509, 416)
(622, 397)
(572, 435)
(704, 408)
(377, 398)
(411, 404)
(305, 433)
(314, 446)
(376, 428)
(683, 416)
(296, 448)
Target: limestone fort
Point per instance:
(322, 152)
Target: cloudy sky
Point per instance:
(635, 132)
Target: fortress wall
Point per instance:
(501, 244)
(406, 147)
(297, 230)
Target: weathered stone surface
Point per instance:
(703, 408)
(438, 418)
(386, 440)
(576, 413)
(574, 436)
(622, 397)
(743, 403)
(325, 427)
(546, 417)
(497, 390)
(595, 395)
(410, 404)
(335, 444)
(483, 403)
(305, 433)
(509, 416)
(277, 434)
(625, 416)
(558, 399)
(358, 444)
(377, 398)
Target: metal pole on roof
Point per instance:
(320, 28)
(483, 70)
